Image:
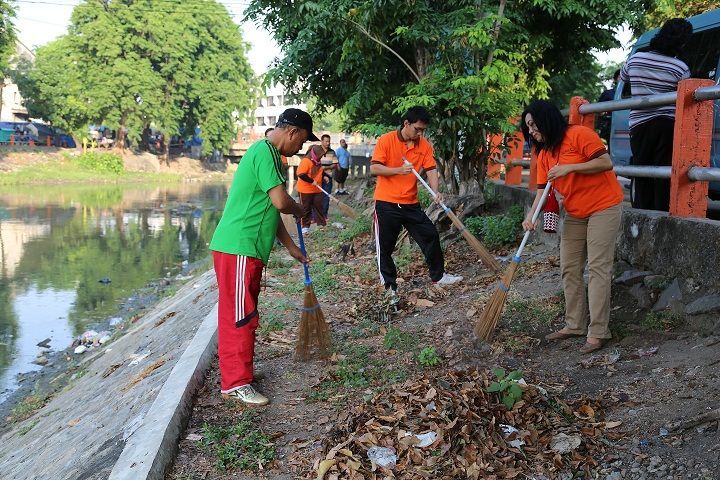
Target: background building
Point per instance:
(11, 102)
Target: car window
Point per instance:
(701, 54)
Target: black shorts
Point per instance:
(341, 174)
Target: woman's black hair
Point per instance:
(672, 37)
(548, 120)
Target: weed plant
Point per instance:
(241, 445)
(428, 357)
(497, 230)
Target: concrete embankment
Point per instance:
(126, 401)
(663, 263)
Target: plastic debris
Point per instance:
(80, 349)
(382, 457)
(664, 432)
(563, 443)
(510, 430)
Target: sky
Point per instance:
(40, 21)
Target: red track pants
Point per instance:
(238, 280)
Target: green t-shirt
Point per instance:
(249, 222)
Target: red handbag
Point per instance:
(551, 213)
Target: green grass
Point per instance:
(26, 428)
(360, 226)
(396, 339)
(29, 405)
(664, 320)
(272, 314)
(241, 445)
(69, 170)
(529, 315)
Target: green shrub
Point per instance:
(428, 357)
(101, 162)
(497, 230)
(507, 386)
(424, 197)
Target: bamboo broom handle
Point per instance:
(535, 216)
(449, 212)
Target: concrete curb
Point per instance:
(151, 448)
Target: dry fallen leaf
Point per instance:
(421, 302)
(73, 422)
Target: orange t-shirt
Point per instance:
(583, 193)
(389, 151)
(305, 167)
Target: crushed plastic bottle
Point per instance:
(382, 457)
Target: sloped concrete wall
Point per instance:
(654, 241)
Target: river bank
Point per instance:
(35, 165)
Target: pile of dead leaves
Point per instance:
(450, 427)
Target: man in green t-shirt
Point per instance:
(241, 247)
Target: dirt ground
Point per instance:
(648, 377)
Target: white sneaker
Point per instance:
(247, 394)
(448, 279)
(305, 230)
(392, 296)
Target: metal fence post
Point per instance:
(692, 140)
(576, 118)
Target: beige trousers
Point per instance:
(590, 240)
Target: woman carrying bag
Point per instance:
(576, 161)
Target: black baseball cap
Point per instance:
(298, 118)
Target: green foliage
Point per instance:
(7, 34)
(360, 226)
(491, 194)
(507, 386)
(29, 405)
(396, 339)
(132, 64)
(428, 357)
(663, 320)
(241, 445)
(664, 10)
(424, 198)
(101, 162)
(347, 55)
(497, 230)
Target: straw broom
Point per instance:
(485, 325)
(344, 208)
(312, 330)
(485, 256)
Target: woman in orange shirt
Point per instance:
(310, 171)
(576, 161)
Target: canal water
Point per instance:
(69, 255)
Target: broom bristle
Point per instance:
(347, 210)
(313, 331)
(485, 325)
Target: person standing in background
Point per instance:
(327, 178)
(341, 173)
(604, 123)
(652, 129)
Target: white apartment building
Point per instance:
(11, 102)
(269, 108)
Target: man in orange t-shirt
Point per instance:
(310, 173)
(396, 198)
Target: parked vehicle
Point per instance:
(702, 55)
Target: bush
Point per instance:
(497, 230)
(101, 162)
